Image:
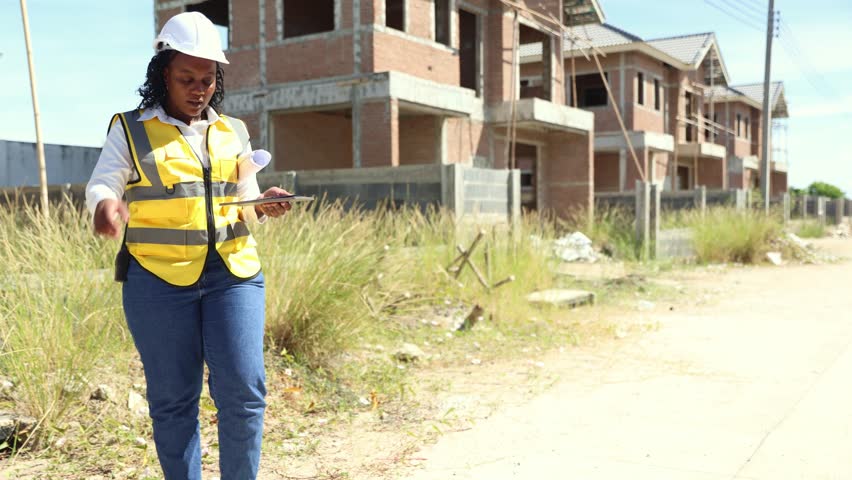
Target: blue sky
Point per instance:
(91, 55)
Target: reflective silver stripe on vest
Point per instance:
(144, 152)
(167, 236)
(181, 190)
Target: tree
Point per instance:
(823, 189)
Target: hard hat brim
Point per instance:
(160, 45)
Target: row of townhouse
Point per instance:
(345, 84)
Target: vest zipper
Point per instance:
(208, 188)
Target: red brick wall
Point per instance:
(391, 52)
(244, 24)
(606, 172)
(711, 173)
(312, 59)
(243, 71)
(498, 61)
(419, 139)
(778, 183)
(312, 141)
(661, 164)
(568, 170)
(465, 139)
(380, 134)
(419, 18)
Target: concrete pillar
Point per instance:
(514, 187)
(740, 199)
(820, 209)
(452, 188)
(803, 205)
(786, 203)
(643, 218)
(655, 217)
(379, 122)
(839, 204)
(700, 199)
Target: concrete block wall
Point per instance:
(65, 164)
(469, 192)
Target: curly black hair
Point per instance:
(153, 92)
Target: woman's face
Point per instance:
(191, 82)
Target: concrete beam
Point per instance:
(709, 150)
(537, 112)
(614, 142)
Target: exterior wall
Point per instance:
(465, 140)
(661, 162)
(419, 139)
(567, 173)
(433, 62)
(778, 183)
(304, 141)
(304, 63)
(381, 147)
(644, 117)
(711, 173)
(607, 172)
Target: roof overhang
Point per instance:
(719, 69)
(582, 12)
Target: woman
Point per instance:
(193, 291)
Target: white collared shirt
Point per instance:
(115, 165)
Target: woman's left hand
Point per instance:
(273, 210)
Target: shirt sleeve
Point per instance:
(113, 170)
(248, 189)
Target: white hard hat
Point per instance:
(193, 34)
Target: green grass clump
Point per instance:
(727, 235)
(59, 312)
(811, 229)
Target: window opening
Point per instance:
(395, 14)
(591, 91)
(469, 51)
(658, 101)
(305, 18)
(442, 21)
(640, 78)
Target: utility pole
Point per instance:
(42, 171)
(767, 110)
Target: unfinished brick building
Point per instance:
(343, 84)
(740, 110)
(658, 85)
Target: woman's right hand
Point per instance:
(110, 217)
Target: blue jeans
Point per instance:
(176, 329)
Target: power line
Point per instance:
(758, 17)
(734, 15)
(757, 6)
(802, 61)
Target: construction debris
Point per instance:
(408, 353)
(576, 247)
(775, 258)
(562, 298)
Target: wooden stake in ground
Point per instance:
(42, 171)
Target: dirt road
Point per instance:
(756, 385)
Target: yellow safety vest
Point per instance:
(175, 207)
